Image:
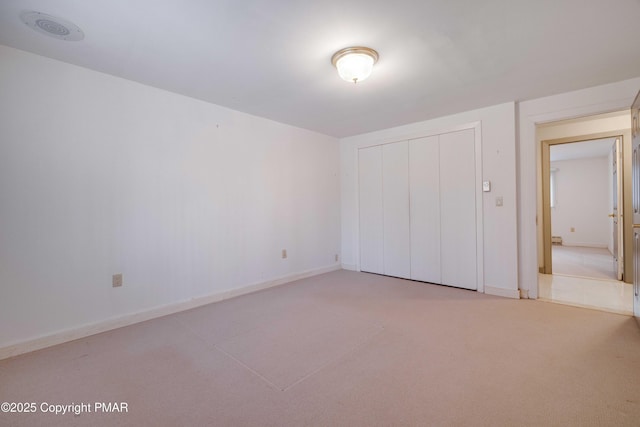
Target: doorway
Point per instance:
(585, 224)
(585, 257)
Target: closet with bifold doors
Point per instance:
(420, 209)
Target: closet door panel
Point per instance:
(424, 189)
(458, 209)
(395, 191)
(371, 215)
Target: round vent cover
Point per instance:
(52, 26)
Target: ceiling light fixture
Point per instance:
(354, 64)
(52, 26)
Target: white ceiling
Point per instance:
(271, 58)
(581, 150)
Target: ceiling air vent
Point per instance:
(52, 26)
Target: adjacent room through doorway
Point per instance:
(583, 232)
(584, 229)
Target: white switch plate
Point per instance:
(499, 201)
(486, 186)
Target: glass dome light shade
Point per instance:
(355, 64)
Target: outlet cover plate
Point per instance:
(116, 280)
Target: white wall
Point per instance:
(600, 99)
(100, 175)
(498, 160)
(582, 202)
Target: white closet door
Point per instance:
(371, 222)
(424, 184)
(458, 209)
(395, 190)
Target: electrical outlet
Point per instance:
(499, 201)
(284, 253)
(116, 280)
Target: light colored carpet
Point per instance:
(346, 349)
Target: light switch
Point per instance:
(486, 186)
(499, 201)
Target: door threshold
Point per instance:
(605, 295)
(598, 279)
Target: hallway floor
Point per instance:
(585, 277)
(596, 263)
(607, 295)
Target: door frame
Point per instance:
(623, 226)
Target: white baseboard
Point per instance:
(152, 313)
(350, 267)
(501, 292)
